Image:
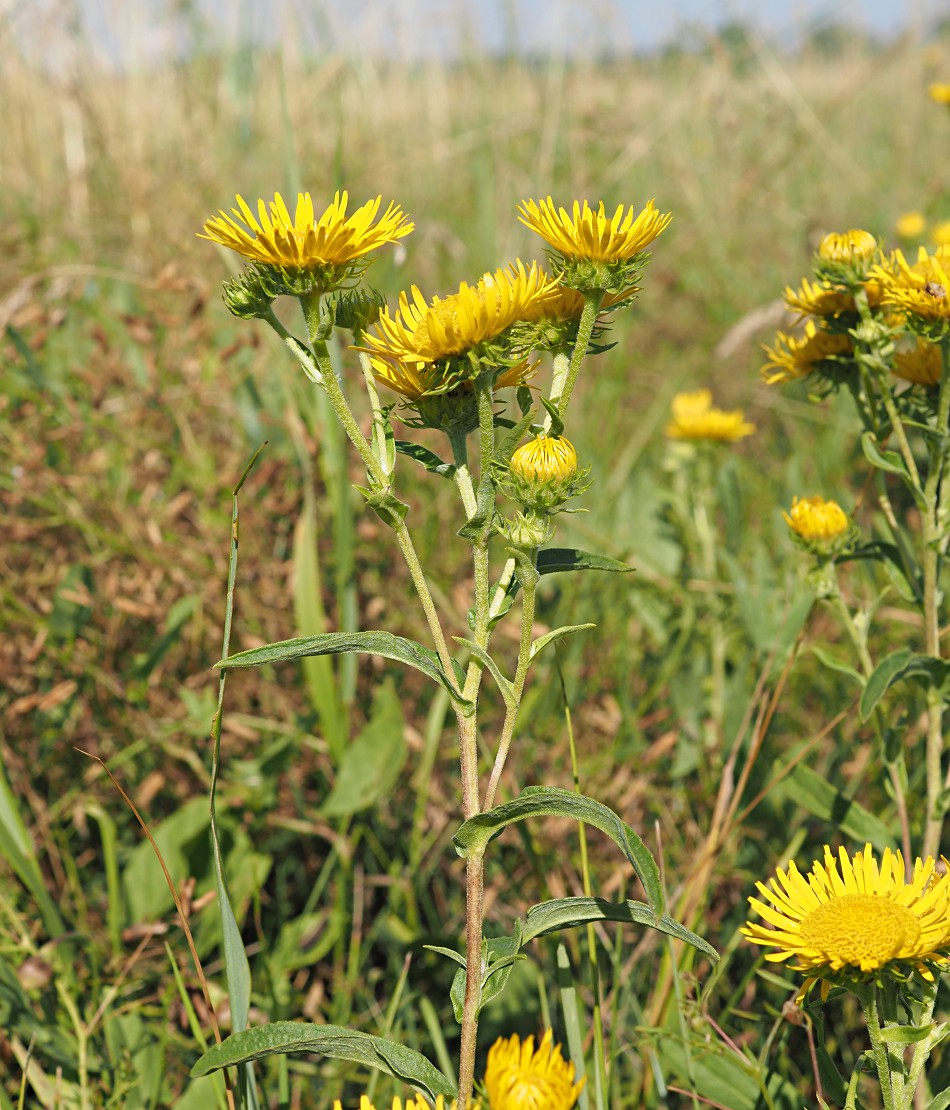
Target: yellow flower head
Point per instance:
(815, 519)
(922, 289)
(415, 1103)
(922, 365)
(911, 225)
(594, 236)
(695, 417)
(940, 233)
(848, 246)
(305, 242)
(797, 357)
(404, 345)
(545, 459)
(819, 298)
(855, 915)
(940, 92)
(518, 1078)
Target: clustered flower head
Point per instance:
(919, 290)
(310, 253)
(921, 365)
(518, 1077)
(695, 417)
(911, 225)
(799, 356)
(855, 919)
(436, 349)
(595, 252)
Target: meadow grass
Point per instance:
(130, 405)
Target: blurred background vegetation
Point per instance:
(130, 404)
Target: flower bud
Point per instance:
(820, 526)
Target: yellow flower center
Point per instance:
(863, 930)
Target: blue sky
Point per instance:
(132, 32)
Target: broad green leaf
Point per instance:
(899, 665)
(541, 801)
(568, 913)
(507, 690)
(429, 459)
(883, 460)
(370, 766)
(328, 1040)
(336, 643)
(819, 797)
(941, 1102)
(549, 638)
(181, 839)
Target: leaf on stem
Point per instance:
(384, 644)
(899, 665)
(281, 1037)
(569, 913)
(544, 801)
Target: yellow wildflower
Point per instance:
(695, 417)
(848, 246)
(797, 357)
(592, 235)
(518, 1078)
(911, 225)
(922, 365)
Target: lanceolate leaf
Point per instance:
(328, 1040)
(554, 560)
(901, 664)
(507, 690)
(429, 459)
(568, 913)
(336, 643)
(540, 801)
(550, 637)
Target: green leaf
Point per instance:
(507, 690)
(883, 460)
(899, 665)
(549, 637)
(429, 459)
(568, 913)
(905, 1034)
(832, 662)
(542, 801)
(335, 643)
(370, 765)
(557, 424)
(823, 800)
(450, 952)
(499, 955)
(281, 1037)
(554, 560)
(941, 1102)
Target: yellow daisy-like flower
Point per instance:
(855, 916)
(921, 289)
(911, 225)
(815, 519)
(819, 298)
(695, 417)
(848, 246)
(797, 357)
(922, 365)
(404, 344)
(594, 236)
(518, 1078)
(306, 242)
(415, 1103)
(940, 92)
(940, 233)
